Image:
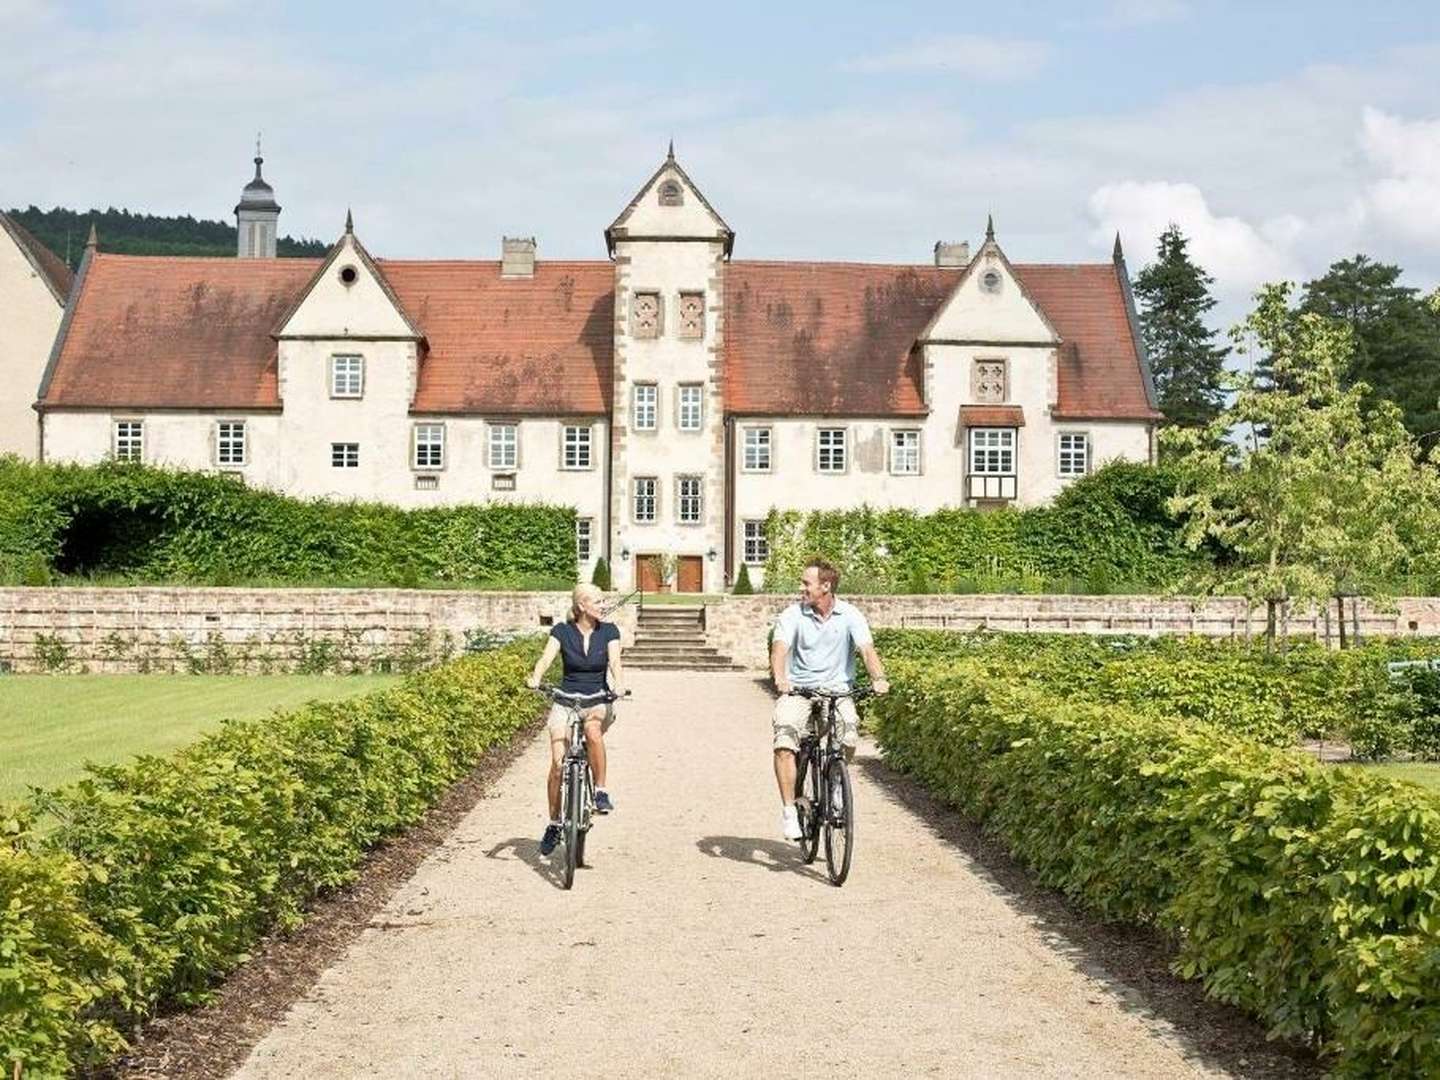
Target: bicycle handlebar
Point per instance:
(859, 693)
(600, 697)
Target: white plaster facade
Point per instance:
(29, 318)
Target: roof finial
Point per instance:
(259, 158)
(349, 222)
(990, 227)
(93, 242)
(671, 155)
(1118, 254)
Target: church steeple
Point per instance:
(257, 215)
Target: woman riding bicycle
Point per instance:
(588, 646)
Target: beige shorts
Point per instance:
(792, 719)
(558, 722)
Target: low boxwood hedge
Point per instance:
(157, 876)
(1304, 894)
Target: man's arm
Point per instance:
(876, 669)
(779, 669)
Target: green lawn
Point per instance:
(51, 724)
(1426, 774)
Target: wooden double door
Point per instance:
(689, 573)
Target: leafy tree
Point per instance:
(1397, 335)
(1324, 496)
(1174, 296)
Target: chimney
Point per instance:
(517, 257)
(952, 255)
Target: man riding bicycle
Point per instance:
(588, 647)
(814, 648)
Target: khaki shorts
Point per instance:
(792, 720)
(558, 722)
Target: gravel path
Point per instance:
(699, 946)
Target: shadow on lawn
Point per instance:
(1132, 962)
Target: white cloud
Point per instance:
(989, 59)
(1405, 197)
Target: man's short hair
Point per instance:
(828, 574)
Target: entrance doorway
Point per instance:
(690, 574)
(647, 573)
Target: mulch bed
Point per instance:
(213, 1040)
(1134, 962)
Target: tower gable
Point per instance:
(348, 297)
(990, 303)
(669, 206)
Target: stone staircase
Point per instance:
(673, 638)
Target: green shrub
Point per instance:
(743, 587)
(601, 576)
(160, 874)
(1302, 893)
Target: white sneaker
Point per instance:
(790, 823)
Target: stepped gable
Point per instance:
(537, 345)
(48, 265)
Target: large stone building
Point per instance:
(670, 393)
(34, 284)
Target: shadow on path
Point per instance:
(1133, 962)
(526, 849)
(777, 856)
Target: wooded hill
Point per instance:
(64, 231)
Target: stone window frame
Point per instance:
(919, 448)
(697, 498)
(635, 295)
(670, 192)
(344, 455)
(754, 546)
(1087, 450)
(224, 441)
(745, 431)
(654, 424)
(584, 539)
(347, 392)
(416, 444)
(699, 404)
(494, 441)
(653, 496)
(127, 445)
(844, 450)
(682, 330)
(566, 445)
(975, 394)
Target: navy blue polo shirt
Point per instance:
(584, 670)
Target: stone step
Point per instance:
(651, 634)
(717, 664)
(678, 658)
(668, 620)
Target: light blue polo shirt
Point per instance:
(822, 651)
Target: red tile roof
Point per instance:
(992, 416)
(48, 265)
(817, 338)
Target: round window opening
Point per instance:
(349, 275)
(990, 281)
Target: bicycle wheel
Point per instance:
(583, 829)
(839, 821)
(574, 796)
(808, 805)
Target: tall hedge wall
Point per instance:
(160, 874)
(153, 525)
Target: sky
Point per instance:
(1280, 136)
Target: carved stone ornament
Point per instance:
(989, 382)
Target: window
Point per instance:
(756, 453)
(429, 446)
(689, 501)
(575, 446)
(645, 315)
(691, 406)
(671, 194)
(905, 453)
(647, 398)
(230, 442)
(427, 482)
(645, 499)
(990, 281)
(347, 376)
(988, 382)
(129, 440)
(1074, 453)
(344, 455)
(992, 464)
(757, 548)
(504, 446)
(692, 316)
(584, 530)
(830, 450)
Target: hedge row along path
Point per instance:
(698, 946)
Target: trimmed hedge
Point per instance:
(153, 525)
(1302, 893)
(162, 873)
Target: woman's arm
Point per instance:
(617, 675)
(546, 659)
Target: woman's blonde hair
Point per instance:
(584, 593)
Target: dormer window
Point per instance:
(671, 194)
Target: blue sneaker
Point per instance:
(550, 839)
(603, 805)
